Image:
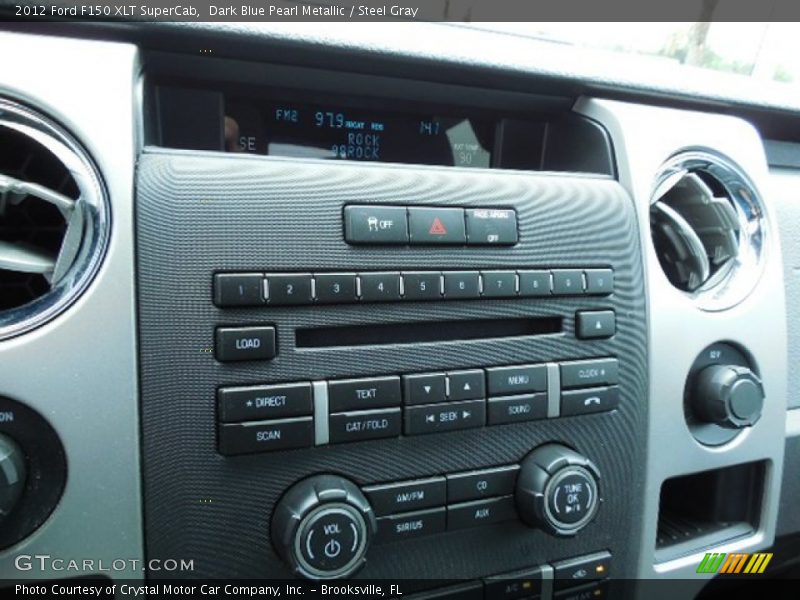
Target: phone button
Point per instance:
(590, 400)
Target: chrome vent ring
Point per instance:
(54, 219)
(708, 228)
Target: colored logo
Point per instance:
(719, 562)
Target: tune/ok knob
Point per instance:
(557, 490)
(728, 395)
(322, 527)
(12, 475)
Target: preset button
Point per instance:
(335, 287)
(238, 289)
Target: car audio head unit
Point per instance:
(359, 369)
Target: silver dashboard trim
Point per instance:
(79, 370)
(644, 137)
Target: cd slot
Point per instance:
(422, 332)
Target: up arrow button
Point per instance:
(466, 385)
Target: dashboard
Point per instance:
(312, 307)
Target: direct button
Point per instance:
(407, 495)
(358, 394)
(481, 484)
(375, 225)
(410, 525)
(264, 402)
(264, 436)
(436, 226)
(591, 400)
(364, 425)
(424, 388)
(488, 226)
(508, 381)
(245, 343)
(584, 373)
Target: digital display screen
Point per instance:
(336, 133)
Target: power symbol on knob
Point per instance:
(332, 549)
(322, 527)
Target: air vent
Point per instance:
(53, 219)
(707, 224)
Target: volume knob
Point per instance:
(322, 527)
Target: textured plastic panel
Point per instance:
(200, 213)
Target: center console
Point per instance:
(378, 371)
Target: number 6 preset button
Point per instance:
(462, 284)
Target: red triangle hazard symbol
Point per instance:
(437, 227)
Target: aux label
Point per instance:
(248, 343)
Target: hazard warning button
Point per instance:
(436, 226)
